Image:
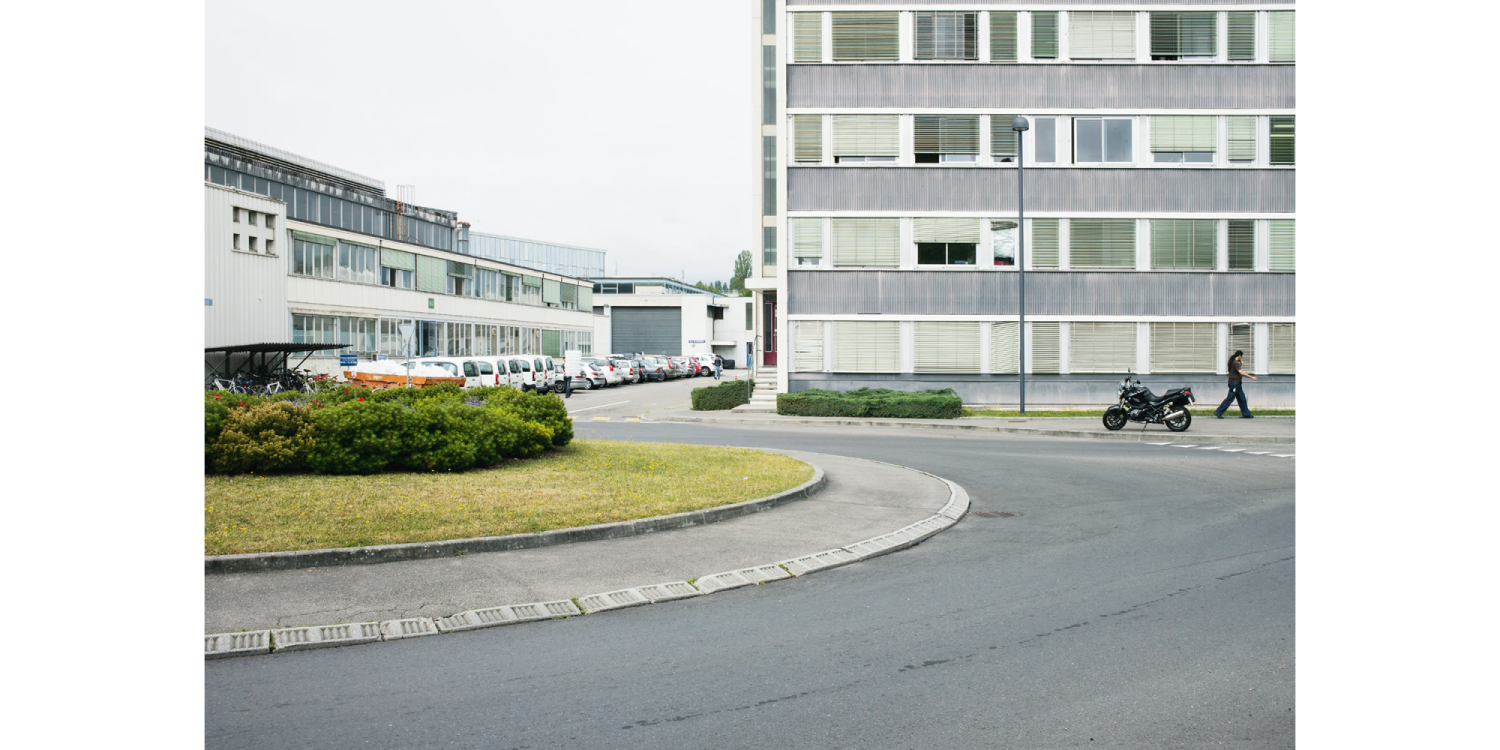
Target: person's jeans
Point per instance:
(1236, 393)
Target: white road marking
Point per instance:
(1158, 443)
(1282, 455)
(1209, 448)
(1185, 446)
(1232, 450)
(1257, 453)
(601, 406)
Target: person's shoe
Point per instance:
(1247, 416)
(1218, 416)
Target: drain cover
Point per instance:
(993, 514)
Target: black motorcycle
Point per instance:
(1139, 404)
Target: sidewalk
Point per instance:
(861, 500)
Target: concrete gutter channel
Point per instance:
(1131, 433)
(276, 640)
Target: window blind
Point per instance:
(531, 280)
(1101, 243)
(807, 138)
(399, 260)
(1044, 33)
(867, 242)
(1184, 243)
(551, 291)
(1003, 45)
(866, 35)
(1240, 132)
(866, 135)
(946, 134)
(1184, 34)
(1241, 339)
(807, 41)
(1184, 347)
(568, 292)
(1101, 35)
(946, 35)
(318, 238)
(1045, 343)
(1241, 245)
(432, 275)
(1283, 47)
(1283, 349)
(1283, 247)
(1242, 35)
(1101, 347)
(944, 346)
(1004, 351)
(1184, 133)
(807, 238)
(1283, 139)
(929, 229)
(866, 346)
(1044, 244)
(460, 270)
(807, 345)
(1002, 138)
(551, 341)
(585, 297)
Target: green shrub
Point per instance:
(723, 396)
(872, 402)
(356, 438)
(214, 414)
(266, 438)
(545, 409)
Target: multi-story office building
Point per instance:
(666, 316)
(1159, 168)
(301, 252)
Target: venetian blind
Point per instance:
(432, 274)
(807, 138)
(1101, 35)
(1241, 245)
(1101, 243)
(945, 35)
(1184, 243)
(399, 260)
(1003, 46)
(807, 345)
(1242, 35)
(946, 134)
(569, 292)
(1240, 132)
(807, 37)
(945, 347)
(531, 280)
(1283, 47)
(1184, 347)
(1002, 138)
(1101, 347)
(866, 35)
(1184, 133)
(1045, 343)
(1283, 346)
(807, 238)
(585, 297)
(460, 270)
(866, 135)
(867, 242)
(1004, 351)
(1184, 34)
(866, 346)
(1044, 244)
(551, 291)
(929, 229)
(1044, 33)
(1241, 339)
(1283, 247)
(1283, 139)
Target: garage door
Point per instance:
(652, 330)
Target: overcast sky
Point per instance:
(603, 124)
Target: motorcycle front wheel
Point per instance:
(1180, 424)
(1114, 418)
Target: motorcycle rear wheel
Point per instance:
(1114, 418)
(1181, 423)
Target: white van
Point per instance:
(467, 369)
(522, 373)
(494, 371)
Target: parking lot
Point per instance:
(622, 402)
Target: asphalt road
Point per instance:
(1099, 594)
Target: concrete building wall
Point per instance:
(244, 292)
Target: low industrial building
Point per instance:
(666, 316)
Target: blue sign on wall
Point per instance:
(348, 360)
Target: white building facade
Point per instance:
(666, 316)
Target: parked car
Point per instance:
(590, 378)
(628, 369)
(464, 368)
(684, 367)
(496, 371)
(704, 362)
(606, 369)
(521, 371)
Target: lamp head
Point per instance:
(1019, 124)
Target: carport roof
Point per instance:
(279, 348)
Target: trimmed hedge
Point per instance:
(872, 402)
(723, 396)
(349, 430)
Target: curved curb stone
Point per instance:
(318, 558)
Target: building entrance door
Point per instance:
(768, 345)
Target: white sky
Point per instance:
(603, 124)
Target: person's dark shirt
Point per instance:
(1235, 373)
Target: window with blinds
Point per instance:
(1184, 138)
(1282, 251)
(1045, 343)
(1003, 39)
(867, 242)
(1184, 35)
(1101, 243)
(1044, 34)
(946, 35)
(1283, 349)
(866, 135)
(807, 139)
(807, 345)
(1005, 353)
(807, 240)
(1002, 138)
(1184, 244)
(1241, 245)
(1283, 36)
(807, 37)
(937, 136)
(1242, 35)
(1184, 347)
(866, 346)
(1240, 134)
(1101, 347)
(1283, 139)
(1101, 35)
(932, 229)
(768, 246)
(1045, 247)
(945, 347)
(866, 35)
(1241, 339)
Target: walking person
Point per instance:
(1236, 386)
(718, 366)
(567, 380)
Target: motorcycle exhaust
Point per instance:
(1174, 415)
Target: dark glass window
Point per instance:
(946, 253)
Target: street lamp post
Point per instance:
(1020, 125)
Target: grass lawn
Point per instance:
(1198, 412)
(588, 482)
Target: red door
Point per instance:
(768, 346)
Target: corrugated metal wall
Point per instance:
(1035, 88)
(1055, 189)
(652, 330)
(1136, 293)
(1271, 391)
(248, 290)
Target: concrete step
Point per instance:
(763, 407)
